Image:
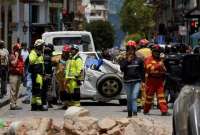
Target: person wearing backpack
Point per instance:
(16, 70)
(4, 54)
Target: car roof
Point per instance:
(46, 34)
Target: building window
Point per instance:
(35, 14)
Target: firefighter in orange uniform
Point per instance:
(155, 69)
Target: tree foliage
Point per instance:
(136, 17)
(102, 32)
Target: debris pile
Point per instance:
(77, 121)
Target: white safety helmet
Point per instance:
(39, 42)
(75, 46)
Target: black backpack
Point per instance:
(173, 64)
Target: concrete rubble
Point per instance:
(77, 121)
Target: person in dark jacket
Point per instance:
(48, 67)
(4, 54)
(173, 80)
(133, 69)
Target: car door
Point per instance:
(91, 75)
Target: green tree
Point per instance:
(102, 32)
(136, 17)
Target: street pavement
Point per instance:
(6, 98)
(98, 110)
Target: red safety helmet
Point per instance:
(131, 43)
(66, 48)
(17, 47)
(143, 42)
(156, 48)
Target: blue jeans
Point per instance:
(132, 90)
(28, 87)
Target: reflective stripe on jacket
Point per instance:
(35, 59)
(37, 63)
(74, 68)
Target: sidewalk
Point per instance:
(6, 99)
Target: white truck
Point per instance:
(103, 84)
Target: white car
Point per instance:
(101, 83)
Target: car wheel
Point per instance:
(109, 85)
(123, 102)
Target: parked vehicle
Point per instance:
(58, 39)
(102, 78)
(186, 112)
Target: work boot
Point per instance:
(165, 114)
(130, 114)
(50, 106)
(34, 107)
(43, 107)
(139, 108)
(134, 113)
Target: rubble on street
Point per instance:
(77, 121)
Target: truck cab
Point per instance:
(60, 38)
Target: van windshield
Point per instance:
(60, 41)
(57, 41)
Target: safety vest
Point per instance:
(74, 68)
(34, 60)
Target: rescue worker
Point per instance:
(142, 52)
(36, 68)
(4, 54)
(60, 61)
(73, 76)
(133, 69)
(46, 98)
(155, 69)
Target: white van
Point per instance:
(60, 38)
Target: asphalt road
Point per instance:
(98, 110)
